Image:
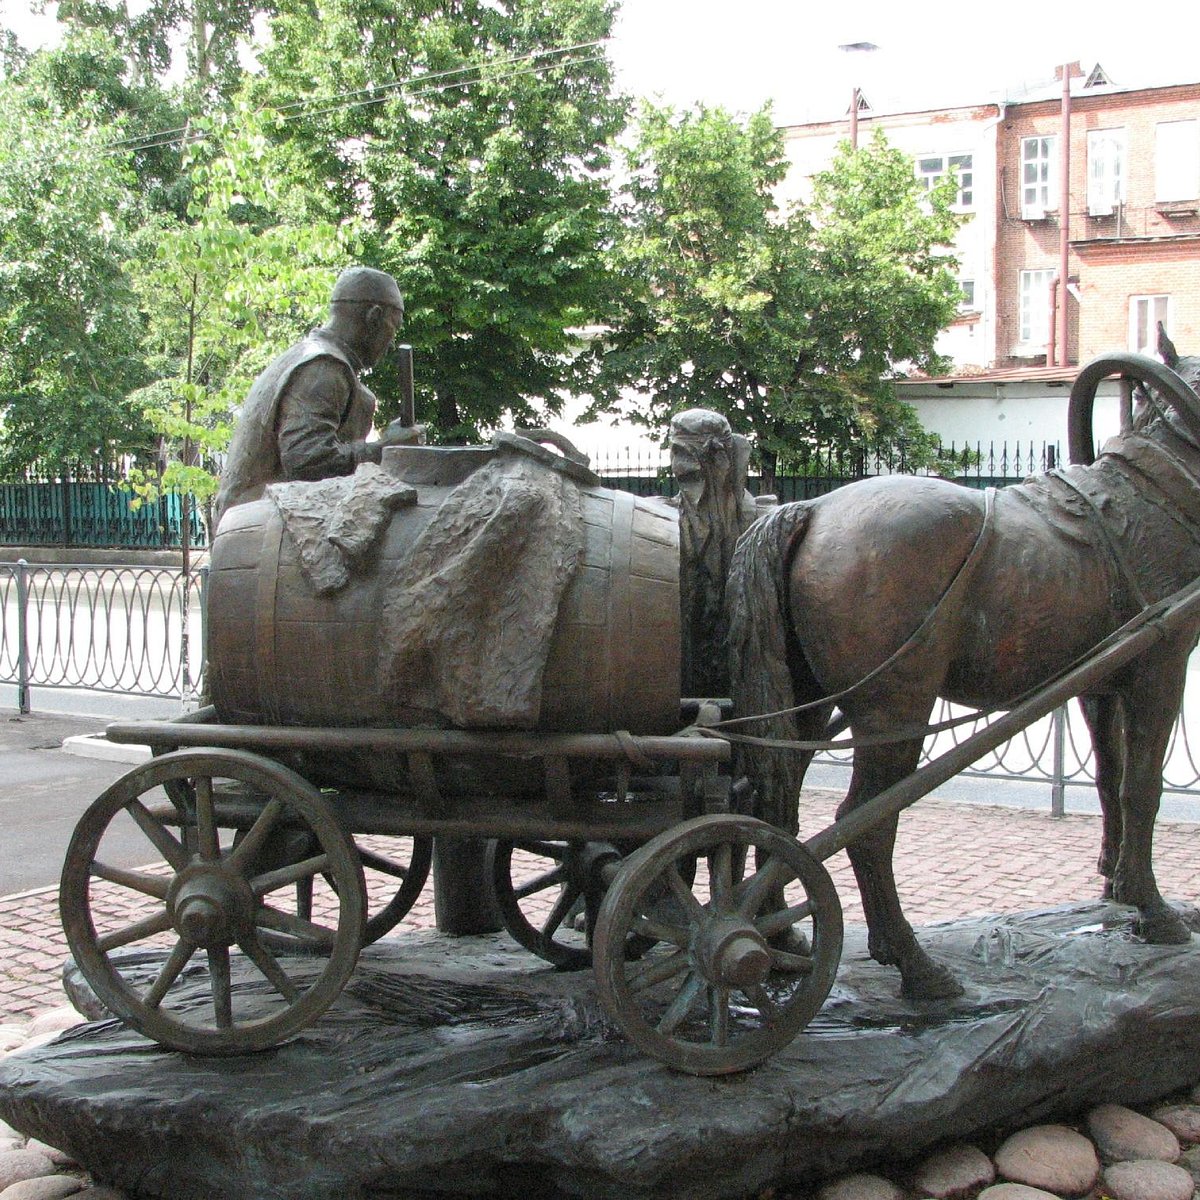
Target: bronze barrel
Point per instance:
(279, 653)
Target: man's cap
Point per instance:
(365, 285)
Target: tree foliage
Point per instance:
(70, 327)
(476, 145)
(792, 323)
(224, 289)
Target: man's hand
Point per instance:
(397, 434)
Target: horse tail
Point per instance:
(762, 653)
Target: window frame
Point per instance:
(1026, 337)
(1046, 164)
(1108, 149)
(1181, 182)
(1151, 301)
(964, 200)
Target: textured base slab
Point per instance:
(464, 1066)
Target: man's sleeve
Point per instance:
(310, 413)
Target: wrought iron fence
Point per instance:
(137, 631)
(815, 470)
(141, 631)
(1055, 751)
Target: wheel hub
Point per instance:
(730, 951)
(209, 906)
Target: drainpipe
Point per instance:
(1051, 353)
(854, 94)
(1064, 212)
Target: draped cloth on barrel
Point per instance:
(469, 616)
(335, 523)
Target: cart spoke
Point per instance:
(761, 999)
(684, 894)
(252, 843)
(306, 931)
(374, 861)
(295, 873)
(207, 841)
(661, 931)
(740, 853)
(685, 1000)
(720, 871)
(751, 894)
(165, 842)
(793, 964)
(137, 881)
(784, 918)
(650, 972)
(718, 1015)
(561, 909)
(275, 975)
(222, 985)
(147, 927)
(179, 958)
(304, 898)
(540, 883)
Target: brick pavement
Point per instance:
(952, 860)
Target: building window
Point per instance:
(1106, 171)
(933, 168)
(966, 301)
(1037, 175)
(1145, 312)
(1177, 160)
(1035, 307)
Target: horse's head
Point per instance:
(1152, 407)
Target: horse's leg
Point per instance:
(890, 938)
(1102, 712)
(1152, 693)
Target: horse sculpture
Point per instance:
(884, 595)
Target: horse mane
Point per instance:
(762, 652)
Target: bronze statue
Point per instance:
(308, 416)
(884, 595)
(710, 463)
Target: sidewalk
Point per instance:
(952, 860)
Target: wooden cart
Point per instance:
(714, 937)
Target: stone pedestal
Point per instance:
(465, 1066)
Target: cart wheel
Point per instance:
(386, 861)
(544, 888)
(211, 896)
(715, 996)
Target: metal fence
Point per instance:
(136, 631)
(646, 471)
(140, 631)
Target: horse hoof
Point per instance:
(929, 981)
(1163, 929)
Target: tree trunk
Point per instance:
(770, 464)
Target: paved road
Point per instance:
(43, 790)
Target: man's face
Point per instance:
(380, 323)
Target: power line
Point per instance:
(297, 108)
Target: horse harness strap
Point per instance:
(961, 580)
(1116, 555)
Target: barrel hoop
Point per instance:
(265, 661)
(621, 693)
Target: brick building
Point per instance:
(1133, 240)
(1133, 222)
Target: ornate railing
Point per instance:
(138, 631)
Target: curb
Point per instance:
(96, 745)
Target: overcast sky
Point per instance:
(740, 53)
(931, 52)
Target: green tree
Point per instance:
(474, 140)
(224, 290)
(70, 327)
(791, 323)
